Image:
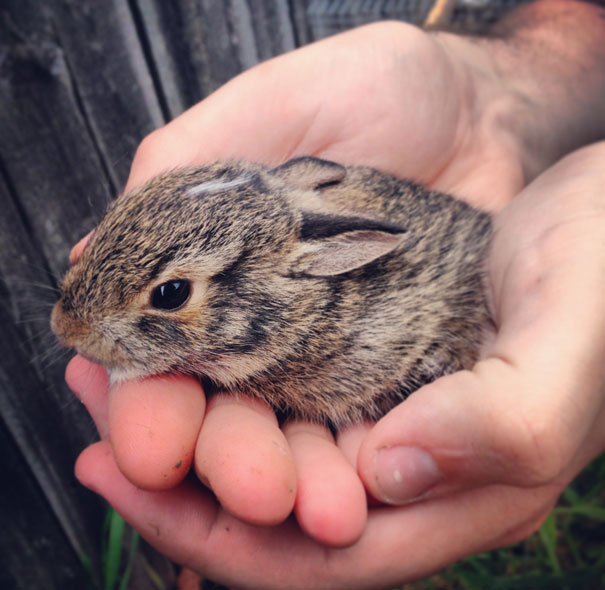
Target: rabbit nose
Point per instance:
(66, 328)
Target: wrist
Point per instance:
(537, 82)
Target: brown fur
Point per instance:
(330, 292)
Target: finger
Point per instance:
(492, 425)
(90, 384)
(331, 503)
(77, 250)
(524, 413)
(187, 525)
(349, 440)
(243, 456)
(153, 427)
(398, 544)
(161, 517)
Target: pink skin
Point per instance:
(150, 440)
(260, 489)
(508, 435)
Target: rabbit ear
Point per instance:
(309, 173)
(331, 245)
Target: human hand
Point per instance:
(336, 118)
(507, 436)
(463, 137)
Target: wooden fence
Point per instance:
(81, 83)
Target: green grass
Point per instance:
(119, 551)
(567, 553)
(114, 553)
(118, 556)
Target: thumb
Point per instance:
(461, 431)
(494, 425)
(533, 411)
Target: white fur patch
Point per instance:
(217, 185)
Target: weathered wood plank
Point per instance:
(198, 46)
(300, 22)
(328, 17)
(272, 27)
(76, 98)
(42, 418)
(73, 108)
(48, 157)
(109, 76)
(190, 45)
(34, 553)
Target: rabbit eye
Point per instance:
(171, 295)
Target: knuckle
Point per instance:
(539, 449)
(149, 146)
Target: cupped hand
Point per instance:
(395, 98)
(507, 436)
(386, 95)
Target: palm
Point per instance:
(418, 125)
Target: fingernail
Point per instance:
(405, 474)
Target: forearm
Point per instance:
(540, 77)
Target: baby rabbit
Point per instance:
(330, 292)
